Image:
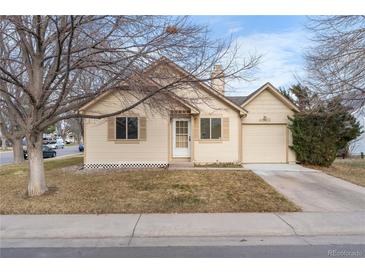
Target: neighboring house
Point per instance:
(251, 129)
(358, 146)
(69, 138)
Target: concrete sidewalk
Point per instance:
(181, 229)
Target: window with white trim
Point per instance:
(126, 128)
(210, 128)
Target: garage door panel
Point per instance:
(264, 143)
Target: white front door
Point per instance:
(181, 132)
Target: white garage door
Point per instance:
(264, 143)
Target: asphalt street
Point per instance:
(7, 157)
(290, 251)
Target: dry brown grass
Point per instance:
(139, 191)
(352, 170)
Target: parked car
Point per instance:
(60, 143)
(52, 145)
(81, 147)
(47, 153)
(56, 144)
(46, 140)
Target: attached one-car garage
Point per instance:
(265, 143)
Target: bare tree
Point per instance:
(72, 126)
(77, 129)
(336, 62)
(3, 140)
(10, 128)
(63, 128)
(61, 63)
(9, 121)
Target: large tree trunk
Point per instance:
(78, 138)
(3, 143)
(64, 135)
(81, 123)
(18, 151)
(37, 180)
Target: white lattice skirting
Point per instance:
(128, 165)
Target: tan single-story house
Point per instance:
(239, 129)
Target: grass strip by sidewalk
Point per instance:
(138, 191)
(49, 164)
(352, 170)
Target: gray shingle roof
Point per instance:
(238, 100)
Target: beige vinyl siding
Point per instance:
(99, 150)
(152, 145)
(264, 143)
(262, 136)
(267, 104)
(226, 148)
(209, 151)
(265, 136)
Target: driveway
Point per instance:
(310, 189)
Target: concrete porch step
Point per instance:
(181, 165)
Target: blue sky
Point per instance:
(281, 40)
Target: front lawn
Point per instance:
(352, 170)
(138, 191)
(219, 165)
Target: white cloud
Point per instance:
(282, 58)
(234, 29)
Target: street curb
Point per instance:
(134, 226)
(184, 241)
